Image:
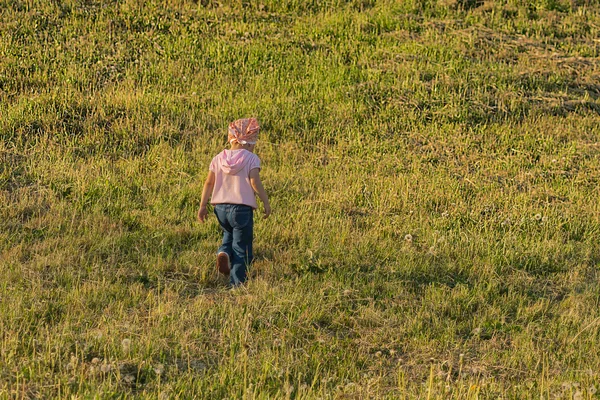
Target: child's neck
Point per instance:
(238, 146)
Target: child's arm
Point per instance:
(209, 184)
(260, 190)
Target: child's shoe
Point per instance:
(223, 264)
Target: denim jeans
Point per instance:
(237, 221)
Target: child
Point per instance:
(233, 181)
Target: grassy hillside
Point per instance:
(433, 168)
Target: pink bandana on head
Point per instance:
(244, 131)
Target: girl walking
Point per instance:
(232, 184)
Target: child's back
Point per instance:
(232, 177)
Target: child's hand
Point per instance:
(267, 210)
(202, 214)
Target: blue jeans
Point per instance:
(237, 221)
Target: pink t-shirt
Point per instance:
(232, 177)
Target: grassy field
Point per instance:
(433, 168)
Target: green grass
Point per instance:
(433, 169)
